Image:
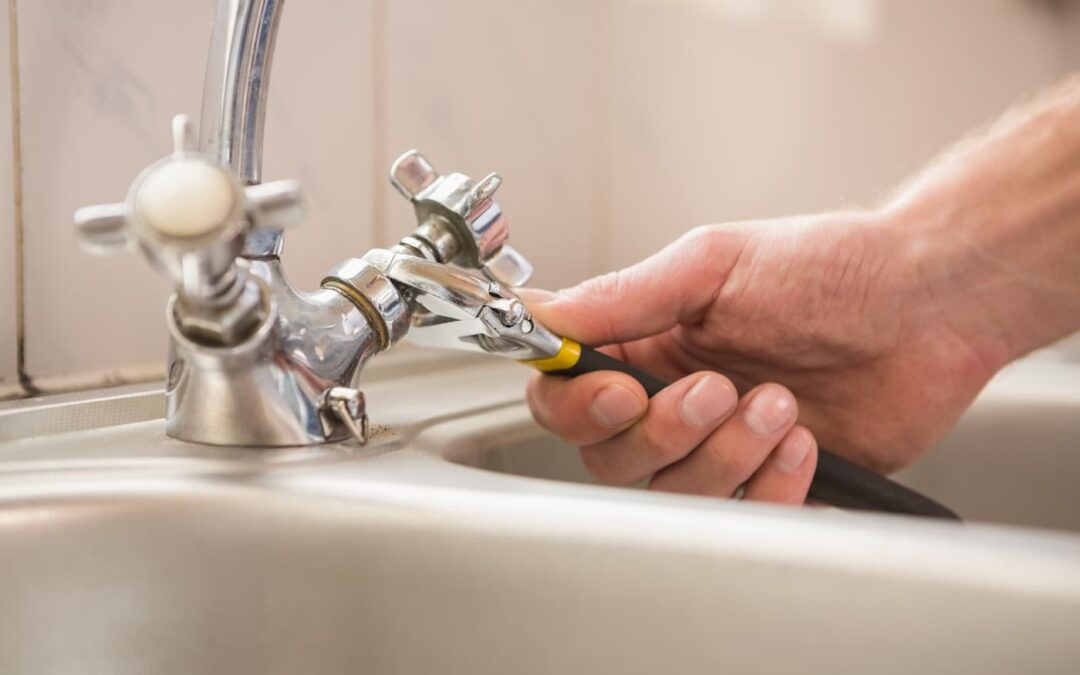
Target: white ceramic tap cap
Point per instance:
(186, 198)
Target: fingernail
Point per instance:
(794, 450)
(771, 409)
(615, 405)
(708, 401)
(536, 296)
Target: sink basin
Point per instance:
(1014, 458)
(464, 540)
(1015, 455)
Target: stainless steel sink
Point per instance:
(1014, 458)
(433, 550)
(1015, 455)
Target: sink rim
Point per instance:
(415, 471)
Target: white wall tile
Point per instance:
(489, 85)
(714, 120)
(320, 130)
(7, 216)
(101, 81)
(616, 126)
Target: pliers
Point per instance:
(459, 310)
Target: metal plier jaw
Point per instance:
(461, 310)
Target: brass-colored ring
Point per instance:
(361, 302)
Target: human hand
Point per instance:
(834, 308)
(884, 325)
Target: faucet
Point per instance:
(252, 361)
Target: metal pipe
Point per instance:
(236, 85)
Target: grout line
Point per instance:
(17, 188)
(378, 122)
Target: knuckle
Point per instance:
(658, 441)
(605, 285)
(713, 242)
(698, 235)
(581, 428)
(730, 463)
(594, 460)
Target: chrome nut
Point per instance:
(227, 322)
(434, 240)
(363, 282)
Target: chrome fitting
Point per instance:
(344, 407)
(456, 205)
(374, 295)
(227, 321)
(433, 240)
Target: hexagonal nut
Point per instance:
(226, 324)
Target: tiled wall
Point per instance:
(616, 124)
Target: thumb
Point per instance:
(671, 287)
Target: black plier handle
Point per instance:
(836, 481)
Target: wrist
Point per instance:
(1004, 283)
(992, 232)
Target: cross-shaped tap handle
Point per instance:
(467, 207)
(190, 216)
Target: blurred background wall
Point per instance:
(616, 124)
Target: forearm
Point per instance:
(993, 228)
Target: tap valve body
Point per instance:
(190, 218)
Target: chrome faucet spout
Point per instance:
(237, 83)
